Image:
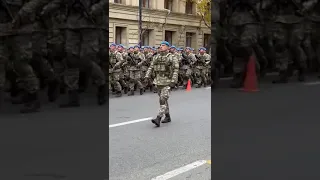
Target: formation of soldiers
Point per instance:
(282, 35)
(128, 67)
(51, 43)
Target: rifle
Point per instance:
(132, 59)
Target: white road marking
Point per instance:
(312, 83)
(180, 170)
(130, 122)
(208, 87)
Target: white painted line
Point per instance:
(312, 83)
(180, 170)
(130, 122)
(208, 87)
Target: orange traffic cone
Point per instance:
(189, 85)
(251, 82)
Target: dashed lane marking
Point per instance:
(181, 170)
(312, 83)
(130, 122)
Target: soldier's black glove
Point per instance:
(173, 84)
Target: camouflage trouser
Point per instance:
(82, 48)
(115, 79)
(241, 41)
(56, 53)
(135, 79)
(185, 75)
(164, 93)
(200, 76)
(39, 61)
(288, 39)
(21, 58)
(315, 36)
(4, 57)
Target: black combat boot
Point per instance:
(125, 90)
(119, 94)
(166, 119)
(102, 94)
(301, 75)
(53, 90)
(156, 121)
(31, 103)
(141, 91)
(131, 93)
(73, 100)
(282, 78)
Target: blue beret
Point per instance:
(112, 44)
(165, 43)
(136, 46)
(173, 47)
(202, 48)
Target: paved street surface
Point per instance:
(178, 150)
(271, 134)
(55, 144)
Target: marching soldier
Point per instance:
(166, 68)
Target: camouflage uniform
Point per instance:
(166, 68)
(242, 36)
(82, 48)
(288, 39)
(124, 72)
(148, 57)
(116, 60)
(134, 65)
(55, 16)
(20, 41)
(189, 68)
(200, 71)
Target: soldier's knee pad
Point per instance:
(162, 100)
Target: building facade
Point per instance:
(172, 20)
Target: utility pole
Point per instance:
(140, 22)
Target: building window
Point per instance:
(168, 4)
(146, 3)
(146, 37)
(189, 7)
(121, 35)
(168, 36)
(118, 1)
(206, 40)
(189, 39)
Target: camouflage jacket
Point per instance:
(116, 59)
(135, 61)
(166, 68)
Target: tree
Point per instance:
(204, 10)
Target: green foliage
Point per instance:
(204, 10)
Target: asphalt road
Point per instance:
(271, 134)
(142, 151)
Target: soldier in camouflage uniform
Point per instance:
(288, 39)
(55, 16)
(148, 57)
(200, 72)
(20, 41)
(166, 68)
(188, 58)
(242, 36)
(207, 65)
(116, 61)
(123, 74)
(135, 62)
(82, 47)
